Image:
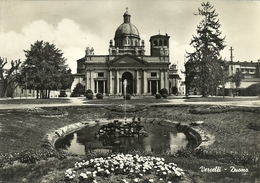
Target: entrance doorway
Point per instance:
(129, 83)
(100, 86)
(154, 87)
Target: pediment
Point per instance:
(128, 60)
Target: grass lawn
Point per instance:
(221, 99)
(35, 101)
(21, 131)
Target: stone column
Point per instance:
(120, 85)
(161, 79)
(97, 86)
(86, 80)
(110, 82)
(90, 80)
(137, 82)
(166, 80)
(145, 82)
(117, 82)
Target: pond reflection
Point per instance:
(160, 139)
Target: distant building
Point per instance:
(250, 75)
(250, 71)
(175, 83)
(126, 63)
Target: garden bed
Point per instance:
(234, 145)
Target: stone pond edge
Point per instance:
(196, 134)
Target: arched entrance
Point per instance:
(130, 85)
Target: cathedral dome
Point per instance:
(127, 28)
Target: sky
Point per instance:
(74, 25)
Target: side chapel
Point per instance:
(144, 74)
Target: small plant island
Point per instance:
(122, 129)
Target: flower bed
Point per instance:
(124, 168)
(30, 156)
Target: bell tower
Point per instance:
(159, 45)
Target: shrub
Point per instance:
(127, 96)
(163, 91)
(158, 96)
(89, 96)
(74, 94)
(87, 92)
(99, 96)
(164, 96)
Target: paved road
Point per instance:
(79, 101)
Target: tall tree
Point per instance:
(8, 76)
(45, 69)
(207, 46)
(237, 78)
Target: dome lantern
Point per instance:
(126, 16)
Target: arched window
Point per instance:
(155, 43)
(165, 42)
(160, 43)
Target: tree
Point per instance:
(8, 76)
(222, 74)
(237, 78)
(45, 69)
(207, 45)
(78, 90)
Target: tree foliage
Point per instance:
(203, 63)
(8, 76)
(78, 90)
(45, 69)
(237, 78)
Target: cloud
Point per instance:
(67, 36)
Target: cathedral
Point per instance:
(126, 68)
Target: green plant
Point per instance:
(78, 90)
(158, 96)
(74, 94)
(88, 91)
(127, 96)
(163, 91)
(99, 96)
(89, 96)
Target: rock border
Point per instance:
(196, 137)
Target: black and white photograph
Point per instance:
(129, 91)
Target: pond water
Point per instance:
(160, 139)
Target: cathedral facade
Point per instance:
(126, 68)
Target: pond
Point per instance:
(161, 138)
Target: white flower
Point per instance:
(136, 180)
(150, 180)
